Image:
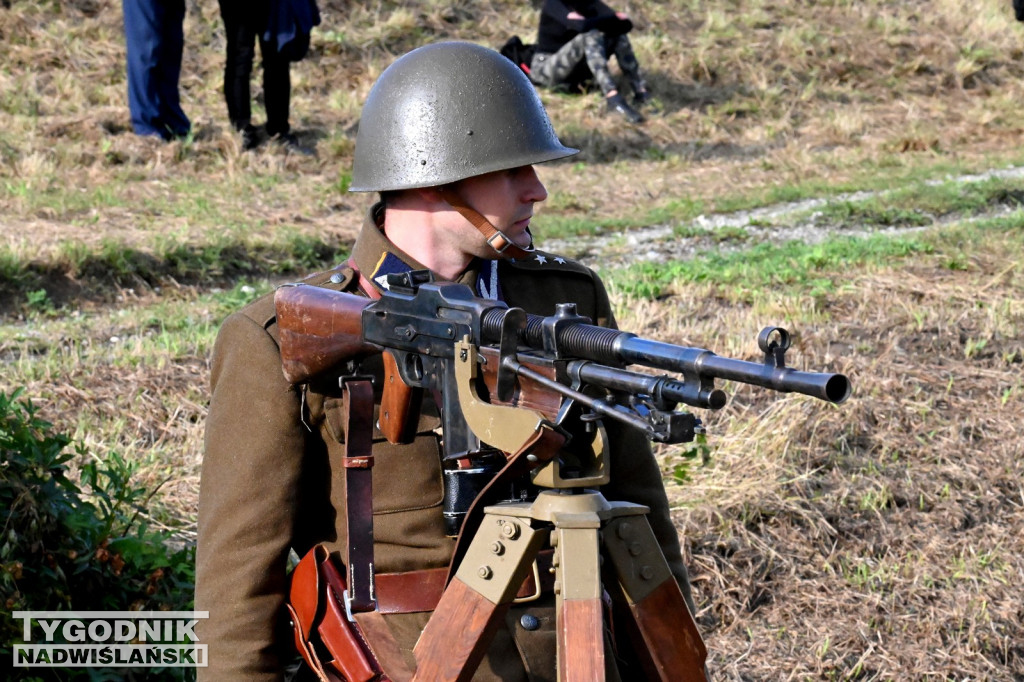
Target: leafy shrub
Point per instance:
(81, 546)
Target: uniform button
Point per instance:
(529, 621)
(337, 278)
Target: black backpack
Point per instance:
(521, 55)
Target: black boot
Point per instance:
(617, 104)
(250, 138)
(290, 143)
(249, 134)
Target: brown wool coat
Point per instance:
(270, 482)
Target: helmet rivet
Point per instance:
(469, 132)
(423, 162)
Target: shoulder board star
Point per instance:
(543, 260)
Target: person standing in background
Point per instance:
(244, 23)
(154, 38)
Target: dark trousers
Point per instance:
(154, 39)
(244, 24)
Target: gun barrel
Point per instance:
(611, 346)
(834, 388)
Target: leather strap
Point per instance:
(357, 393)
(418, 591)
(498, 240)
(411, 591)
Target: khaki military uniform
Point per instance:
(271, 481)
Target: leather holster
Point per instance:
(330, 643)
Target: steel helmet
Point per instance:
(449, 111)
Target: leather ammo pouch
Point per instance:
(329, 642)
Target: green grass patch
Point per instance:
(790, 265)
(52, 344)
(869, 213)
(227, 258)
(921, 203)
(919, 197)
(813, 268)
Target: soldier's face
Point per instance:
(506, 199)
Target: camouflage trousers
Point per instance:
(593, 47)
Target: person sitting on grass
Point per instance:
(575, 39)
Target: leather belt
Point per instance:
(416, 591)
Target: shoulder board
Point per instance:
(543, 260)
(338, 279)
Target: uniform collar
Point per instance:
(376, 257)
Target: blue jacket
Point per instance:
(289, 25)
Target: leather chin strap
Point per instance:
(497, 239)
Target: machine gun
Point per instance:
(527, 360)
(533, 393)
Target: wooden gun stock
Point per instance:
(320, 328)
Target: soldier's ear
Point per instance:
(418, 197)
(430, 195)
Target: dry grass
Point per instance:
(878, 540)
(751, 95)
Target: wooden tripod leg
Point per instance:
(578, 590)
(674, 646)
(475, 602)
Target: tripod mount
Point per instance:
(583, 528)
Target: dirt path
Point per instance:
(775, 224)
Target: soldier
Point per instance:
(448, 138)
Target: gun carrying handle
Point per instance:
(399, 405)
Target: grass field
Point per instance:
(813, 165)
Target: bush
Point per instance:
(80, 546)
